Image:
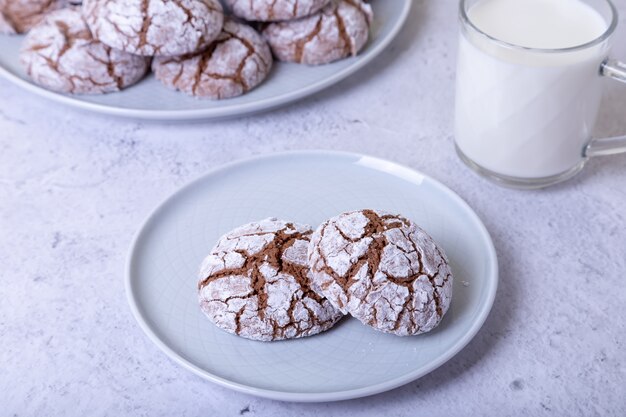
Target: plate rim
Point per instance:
(227, 111)
(485, 309)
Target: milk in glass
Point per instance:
(518, 111)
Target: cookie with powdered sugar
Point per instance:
(61, 54)
(155, 27)
(235, 63)
(19, 16)
(382, 269)
(339, 30)
(256, 283)
(274, 10)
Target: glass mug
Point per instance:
(524, 116)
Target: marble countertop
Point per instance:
(75, 186)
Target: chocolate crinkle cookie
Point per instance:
(235, 63)
(155, 27)
(61, 54)
(382, 269)
(274, 10)
(19, 16)
(256, 283)
(339, 30)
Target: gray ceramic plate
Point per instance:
(351, 360)
(287, 82)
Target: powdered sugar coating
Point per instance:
(61, 55)
(155, 27)
(19, 16)
(274, 10)
(235, 63)
(339, 30)
(382, 269)
(256, 283)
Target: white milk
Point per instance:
(525, 113)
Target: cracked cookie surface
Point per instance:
(19, 16)
(236, 62)
(382, 269)
(61, 54)
(274, 10)
(155, 27)
(339, 30)
(256, 283)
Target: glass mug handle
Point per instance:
(609, 146)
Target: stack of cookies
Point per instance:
(275, 280)
(104, 46)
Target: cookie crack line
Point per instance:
(375, 225)
(343, 34)
(238, 78)
(270, 254)
(367, 16)
(186, 11)
(301, 44)
(145, 24)
(272, 11)
(202, 65)
(431, 278)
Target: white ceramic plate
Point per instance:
(351, 360)
(287, 82)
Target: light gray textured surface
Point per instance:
(74, 187)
